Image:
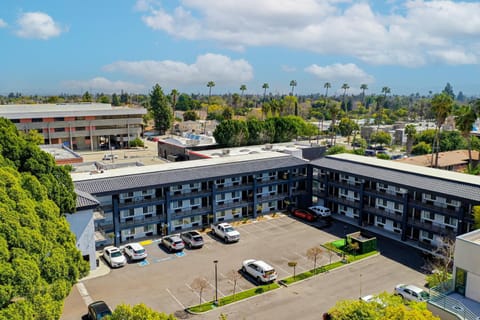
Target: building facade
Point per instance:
(170, 198)
(412, 204)
(415, 204)
(79, 126)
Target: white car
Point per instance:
(109, 156)
(135, 251)
(411, 293)
(371, 298)
(320, 211)
(260, 270)
(114, 257)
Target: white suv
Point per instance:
(411, 293)
(135, 251)
(114, 257)
(320, 211)
(260, 270)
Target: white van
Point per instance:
(320, 211)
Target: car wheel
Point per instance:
(225, 239)
(258, 280)
(244, 270)
(189, 245)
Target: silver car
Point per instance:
(192, 239)
(173, 243)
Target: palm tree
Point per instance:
(174, 95)
(464, 120)
(334, 109)
(242, 89)
(363, 87)
(410, 132)
(265, 87)
(345, 87)
(327, 86)
(293, 84)
(210, 85)
(442, 105)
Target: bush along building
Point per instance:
(419, 206)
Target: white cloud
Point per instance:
(37, 25)
(286, 68)
(341, 73)
(3, 24)
(207, 67)
(104, 85)
(413, 34)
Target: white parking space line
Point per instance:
(175, 298)
(198, 294)
(84, 293)
(283, 270)
(231, 281)
(219, 291)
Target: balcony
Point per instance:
(384, 213)
(98, 216)
(140, 220)
(429, 226)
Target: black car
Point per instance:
(98, 310)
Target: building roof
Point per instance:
(59, 151)
(21, 111)
(445, 159)
(456, 184)
(177, 172)
(473, 237)
(85, 200)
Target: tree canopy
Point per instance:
(39, 261)
(159, 107)
(139, 311)
(385, 306)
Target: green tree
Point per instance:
(346, 127)
(265, 87)
(334, 110)
(190, 115)
(87, 97)
(363, 87)
(104, 99)
(464, 119)
(421, 148)
(442, 105)
(227, 113)
(326, 86)
(449, 90)
(385, 306)
(115, 100)
(162, 114)
(381, 138)
(336, 149)
(137, 312)
(476, 216)
(345, 87)
(243, 88)
(410, 132)
(293, 84)
(210, 85)
(231, 133)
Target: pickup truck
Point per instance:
(226, 232)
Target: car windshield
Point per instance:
(116, 254)
(177, 242)
(228, 229)
(425, 295)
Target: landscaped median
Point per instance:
(338, 247)
(207, 306)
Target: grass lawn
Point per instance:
(238, 296)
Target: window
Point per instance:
(148, 228)
(381, 220)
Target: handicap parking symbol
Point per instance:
(180, 254)
(143, 263)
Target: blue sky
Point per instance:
(54, 47)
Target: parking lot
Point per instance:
(164, 281)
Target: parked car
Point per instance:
(135, 251)
(320, 211)
(371, 298)
(260, 270)
(109, 156)
(411, 292)
(192, 239)
(304, 214)
(173, 243)
(226, 232)
(98, 310)
(114, 257)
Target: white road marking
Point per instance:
(211, 285)
(195, 291)
(175, 298)
(84, 293)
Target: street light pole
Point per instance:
(216, 283)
